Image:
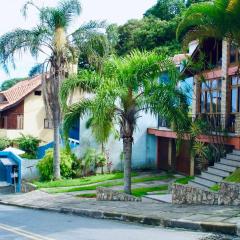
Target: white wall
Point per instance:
(114, 146)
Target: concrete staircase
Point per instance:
(6, 188)
(218, 172)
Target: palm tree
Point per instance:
(51, 38)
(218, 19)
(121, 91)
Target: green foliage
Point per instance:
(166, 9)
(45, 166)
(184, 180)
(234, 177)
(218, 19)
(215, 188)
(147, 34)
(10, 83)
(139, 192)
(4, 143)
(29, 144)
(81, 181)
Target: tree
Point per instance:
(218, 19)
(36, 70)
(125, 87)
(147, 34)
(10, 82)
(51, 38)
(166, 9)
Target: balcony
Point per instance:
(216, 123)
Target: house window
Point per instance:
(235, 94)
(20, 121)
(210, 98)
(38, 93)
(234, 54)
(48, 124)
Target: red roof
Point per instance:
(18, 92)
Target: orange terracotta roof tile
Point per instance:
(19, 91)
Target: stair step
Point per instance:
(218, 172)
(7, 189)
(225, 167)
(198, 185)
(232, 163)
(204, 181)
(236, 152)
(212, 177)
(233, 157)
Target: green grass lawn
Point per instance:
(81, 181)
(109, 184)
(184, 180)
(138, 192)
(234, 177)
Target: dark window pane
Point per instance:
(233, 54)
(219, 102)
(202, 103)
(208, 102)
(234, 100)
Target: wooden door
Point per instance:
(162, 156)
(183, 160)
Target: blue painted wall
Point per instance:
(18, 161)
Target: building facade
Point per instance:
(215, 98)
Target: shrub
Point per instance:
(45, 166)
(4, 143)
(29, 144)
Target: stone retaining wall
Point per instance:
(106, 194)
(27, 187)
(229, 194)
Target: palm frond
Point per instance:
(20, 41)
(74, 112)
(85, 81)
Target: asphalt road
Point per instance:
(22, 224)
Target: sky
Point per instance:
(113, 11)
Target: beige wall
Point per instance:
(34, 114)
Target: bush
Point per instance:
(29, 144)
(93, 160)
(45, 166)
(4, 143)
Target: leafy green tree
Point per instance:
(218, 19)
(147, 34)
(10, 83)
(51, 38)
(125, 87)
(166, 9)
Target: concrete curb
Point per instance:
(217, 227)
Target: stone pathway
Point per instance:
(205, 218)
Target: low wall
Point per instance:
(27, 187)
(106, 194)
(29, 169)
(229, 194)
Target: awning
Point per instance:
(7, 162)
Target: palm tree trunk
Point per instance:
(56, 149)
(127, 150)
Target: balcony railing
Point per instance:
(214, 122)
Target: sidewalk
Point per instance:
(219, 219)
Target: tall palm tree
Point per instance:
(217, 19)
(51, 38)
(121, 91)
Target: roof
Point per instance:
(18, 92)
